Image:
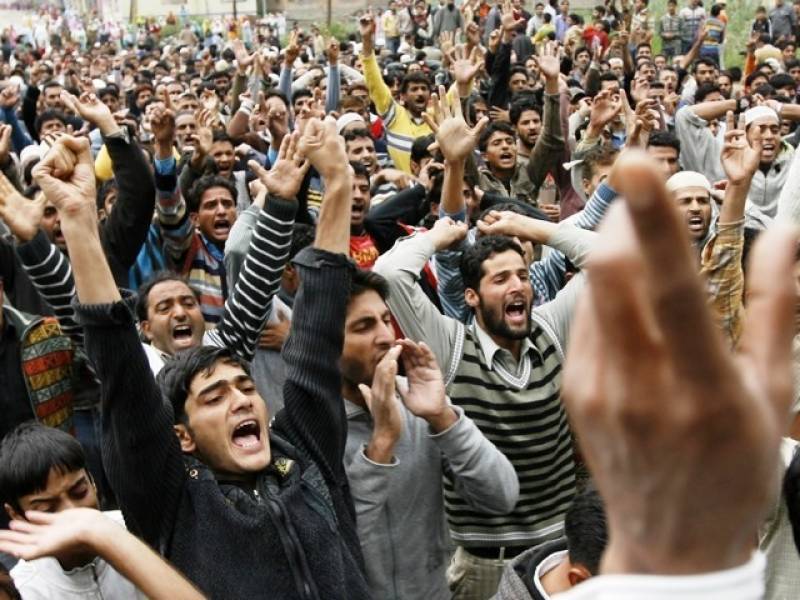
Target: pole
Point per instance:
(234, 10)
(328, 14)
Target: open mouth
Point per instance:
(357, 210)
(515, 312)
(182, 333)
(247, 434)
(506, 156)
(696, 224)
(222, 227)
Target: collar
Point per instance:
(544, 567)
(490, 348)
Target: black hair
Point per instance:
(520, 105)
(176, 377)
(484, 248)
(49, 115)
(644, 45)
(419, 147)
(753, 76)
(356, 134)
(705, 90)
(415, 77)
(704, 61)
(580, 50)
(780, 80)
(220, 135)
(365, 281)
(765, 90)
(791, 64)
(586, 530)
(302, 93)
(27, 455)
(491, 129)
(110, 90)
(518, 69)
(716, 10)
(664, 139)
(608, 76)
(205, 183)
(359, 170)
(547, 17)
(143, 293)
(302, 237)
(103, 191)
(274, 93)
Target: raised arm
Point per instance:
(141, 454)
(48, 269)
(313, 416)
(333, 89)
(77, 529)
(548, 151)
(722, 256)
(250, 303)
(126, 228)
(379, 92)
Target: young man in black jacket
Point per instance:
(245, 512)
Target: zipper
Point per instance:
(97, 582)
(291, 543)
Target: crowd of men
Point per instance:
(487, 300)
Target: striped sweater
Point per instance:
(524, 417)
(516, 406)
(401, 128)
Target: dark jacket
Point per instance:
(125, 230)
(293, 536)
(517, 582)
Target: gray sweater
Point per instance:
(400, 507)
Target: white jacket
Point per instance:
(44, 579)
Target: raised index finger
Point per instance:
(671, 270)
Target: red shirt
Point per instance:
(363, 250)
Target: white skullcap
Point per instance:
(688, 179)
(759, 112)
(30, 153)
(346, 119)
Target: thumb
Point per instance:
(78, 146)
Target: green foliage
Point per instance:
(740, 15)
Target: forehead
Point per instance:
(500, 136)
(361, 142)
(663, 151)
(367, 303)
(508, 260)
(58, 482)
(529, 114)
(183, 120)
(216, 193)
(763, 122)
(691, 193)
(223, 370)
(220, 146)
(171, 288)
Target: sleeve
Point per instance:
(379, 92)
(501, 68)
(51, 274)
(416, 315)
(313, 418)
(249, 305)
(141, 453)
(173, 217)
(19, 137)
(369, 486)
(789, 199)
(449, 284)
(126, 228)
(722, 271)
(548, 274)
(238, 242)
(407, 206)
(549, 147)
(483, 476)
(557, 313)
(333, 91)
(29, 109)
(700, 151)
(285, 82)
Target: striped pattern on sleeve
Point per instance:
(249, 305)
(51, 274)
